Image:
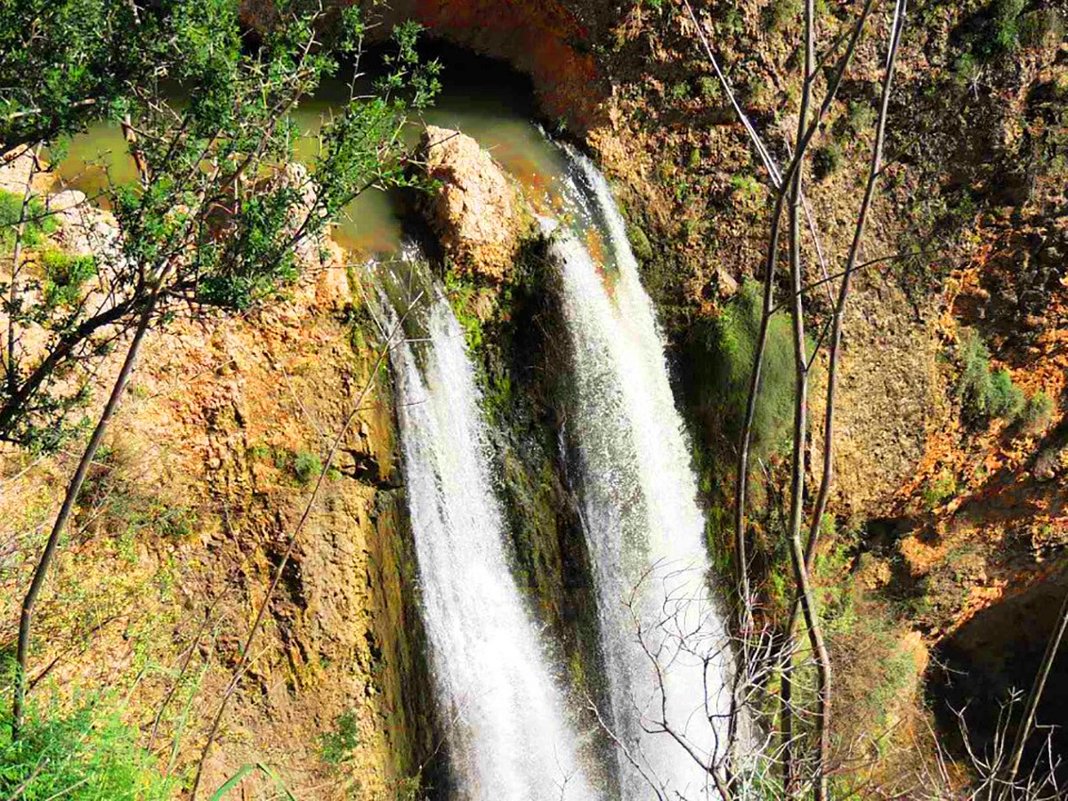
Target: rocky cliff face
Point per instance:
(943, 520)
(182, 525)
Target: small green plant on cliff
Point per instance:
(1000, 34)
(747, 189)
(410, 788)
(940, 489)
(1005, 29)
(1042, 28)
(782, 13)
(337, 746)
(307, 466)
(680, 91)
(65, 275)
(1005, 400)
(826, 160)
(85, 755)
(985, 393)
(1037, 412)
(639, 243)
(832, 577)
(462, 297)
(732, 24)
(709, 88)
(860, 117)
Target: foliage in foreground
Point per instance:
(86, 755)
(222, 214)
(82, 56)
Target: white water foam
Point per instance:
(663, 638)
(509, 738)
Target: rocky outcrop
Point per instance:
(549, 40)
(476, 210)
(15, 170)
(208, 469)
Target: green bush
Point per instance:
(1038, 411)
(708, 85)
(84, 756)
(966, 68)
(975, 369)
(732, 24)
(679, 91)
(1000, 34)
(826, 160)
(307, 466)
(639, 243)
(337, 746)
(1004, 399)
(985, 393)
(724, 365)
(1041, 28)
(782, 13)
(861, 116)
(38, 225)
(940, 489)
(65, 275)
(1006, 27)
(746, 186)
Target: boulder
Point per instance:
(85, 229)
(66, 201)
(308, 248)
(15, 167)
(476, 210)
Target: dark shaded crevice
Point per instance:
(991, 659)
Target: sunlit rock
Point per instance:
(475, 210)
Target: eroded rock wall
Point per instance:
(183, 525)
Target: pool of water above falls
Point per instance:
(371, 224)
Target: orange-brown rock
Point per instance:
(476, 211)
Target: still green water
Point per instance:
(496, 114)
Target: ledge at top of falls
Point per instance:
(550, 41)
(476, 210)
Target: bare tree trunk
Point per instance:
(779, 184)
(13, 290)
(800, 428)
(808, 556)
(71, 497)
(874, 173)
(800, 449)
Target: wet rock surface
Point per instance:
(475, 210)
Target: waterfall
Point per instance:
(509, 739)
(638, 493)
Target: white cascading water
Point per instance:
(644, 528)
(509, 739)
